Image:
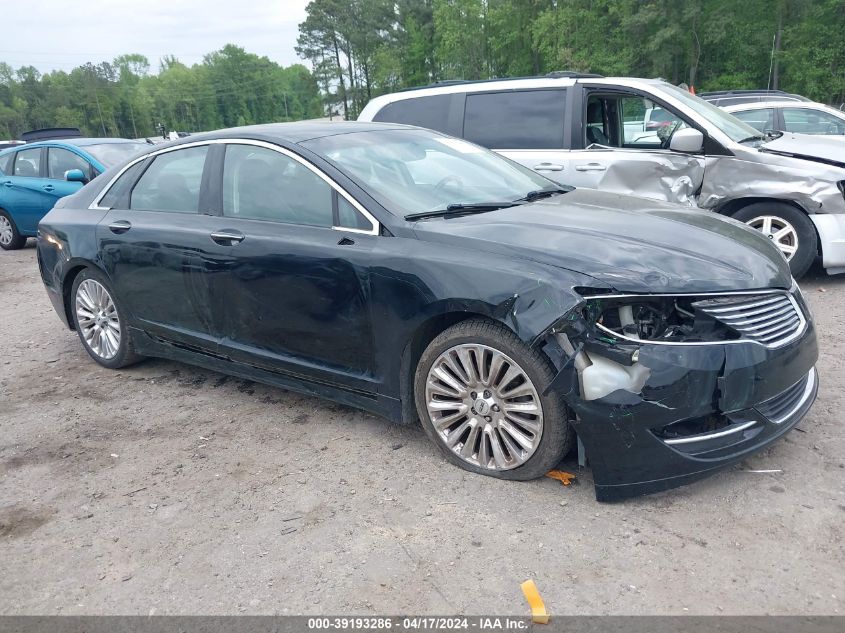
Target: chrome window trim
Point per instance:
(799, 332)
(376, 225)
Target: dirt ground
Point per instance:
(166, 489)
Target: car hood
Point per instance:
(628, 244)
(821, 149)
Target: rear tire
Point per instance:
(789, 228)
(100, 321)
(10, 237)
(506, 407)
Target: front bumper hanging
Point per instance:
(700, 408)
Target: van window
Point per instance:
(526, 119)
(431, 112)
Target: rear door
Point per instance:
(27, 195)
(156, 245)
(621, 144)
(525, 125)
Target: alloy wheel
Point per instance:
(484, 407)
(7, 234)
(781, 232)
(98, 319)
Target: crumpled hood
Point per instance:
(822, 149)
(628, 244)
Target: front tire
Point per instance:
(479, 395)
(10, 237)
(100, 322)
(790, 229)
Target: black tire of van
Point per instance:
(790, 216)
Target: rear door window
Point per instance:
(118, 193)
(6, 162)
(172, 182)
(526, 119)
(762, 119)
(28, 163)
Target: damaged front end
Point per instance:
(667, 388)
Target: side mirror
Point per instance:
(75, 175)
(687, 140)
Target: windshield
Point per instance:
(737, 130)
(415, 171)
(113, 153)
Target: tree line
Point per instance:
(122, 98)
(362, 48)
(358, 49)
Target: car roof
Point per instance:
(289, 132)
(521, 83)
(80, 142)
(808, 105)
(554, 81)
(743, 92)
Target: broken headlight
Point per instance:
(664, 319)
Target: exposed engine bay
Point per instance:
(658, 319)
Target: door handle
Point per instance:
(7, 183)
(590, 167)
(120, 226)
(548, 167)
(48, 187)
(226, 237)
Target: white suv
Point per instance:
(652, 139)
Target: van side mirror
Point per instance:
(75, 175)
(687, 140)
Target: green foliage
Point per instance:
(230, 87)
(710, 44)
(361, 48)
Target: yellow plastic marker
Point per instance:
(562, 476)
(539, 615)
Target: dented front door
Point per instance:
(659, 174)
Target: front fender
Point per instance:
(413, 282)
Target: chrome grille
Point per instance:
(770, 319)
(783, 405)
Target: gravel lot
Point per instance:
(167, 489)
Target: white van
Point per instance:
(648, 138)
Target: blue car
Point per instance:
(35, 175)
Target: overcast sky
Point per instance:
(62, 34)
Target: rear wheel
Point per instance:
(99, 321)
(10, 237)
(479, 395)
(790, 229)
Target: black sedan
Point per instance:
(418, 276)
